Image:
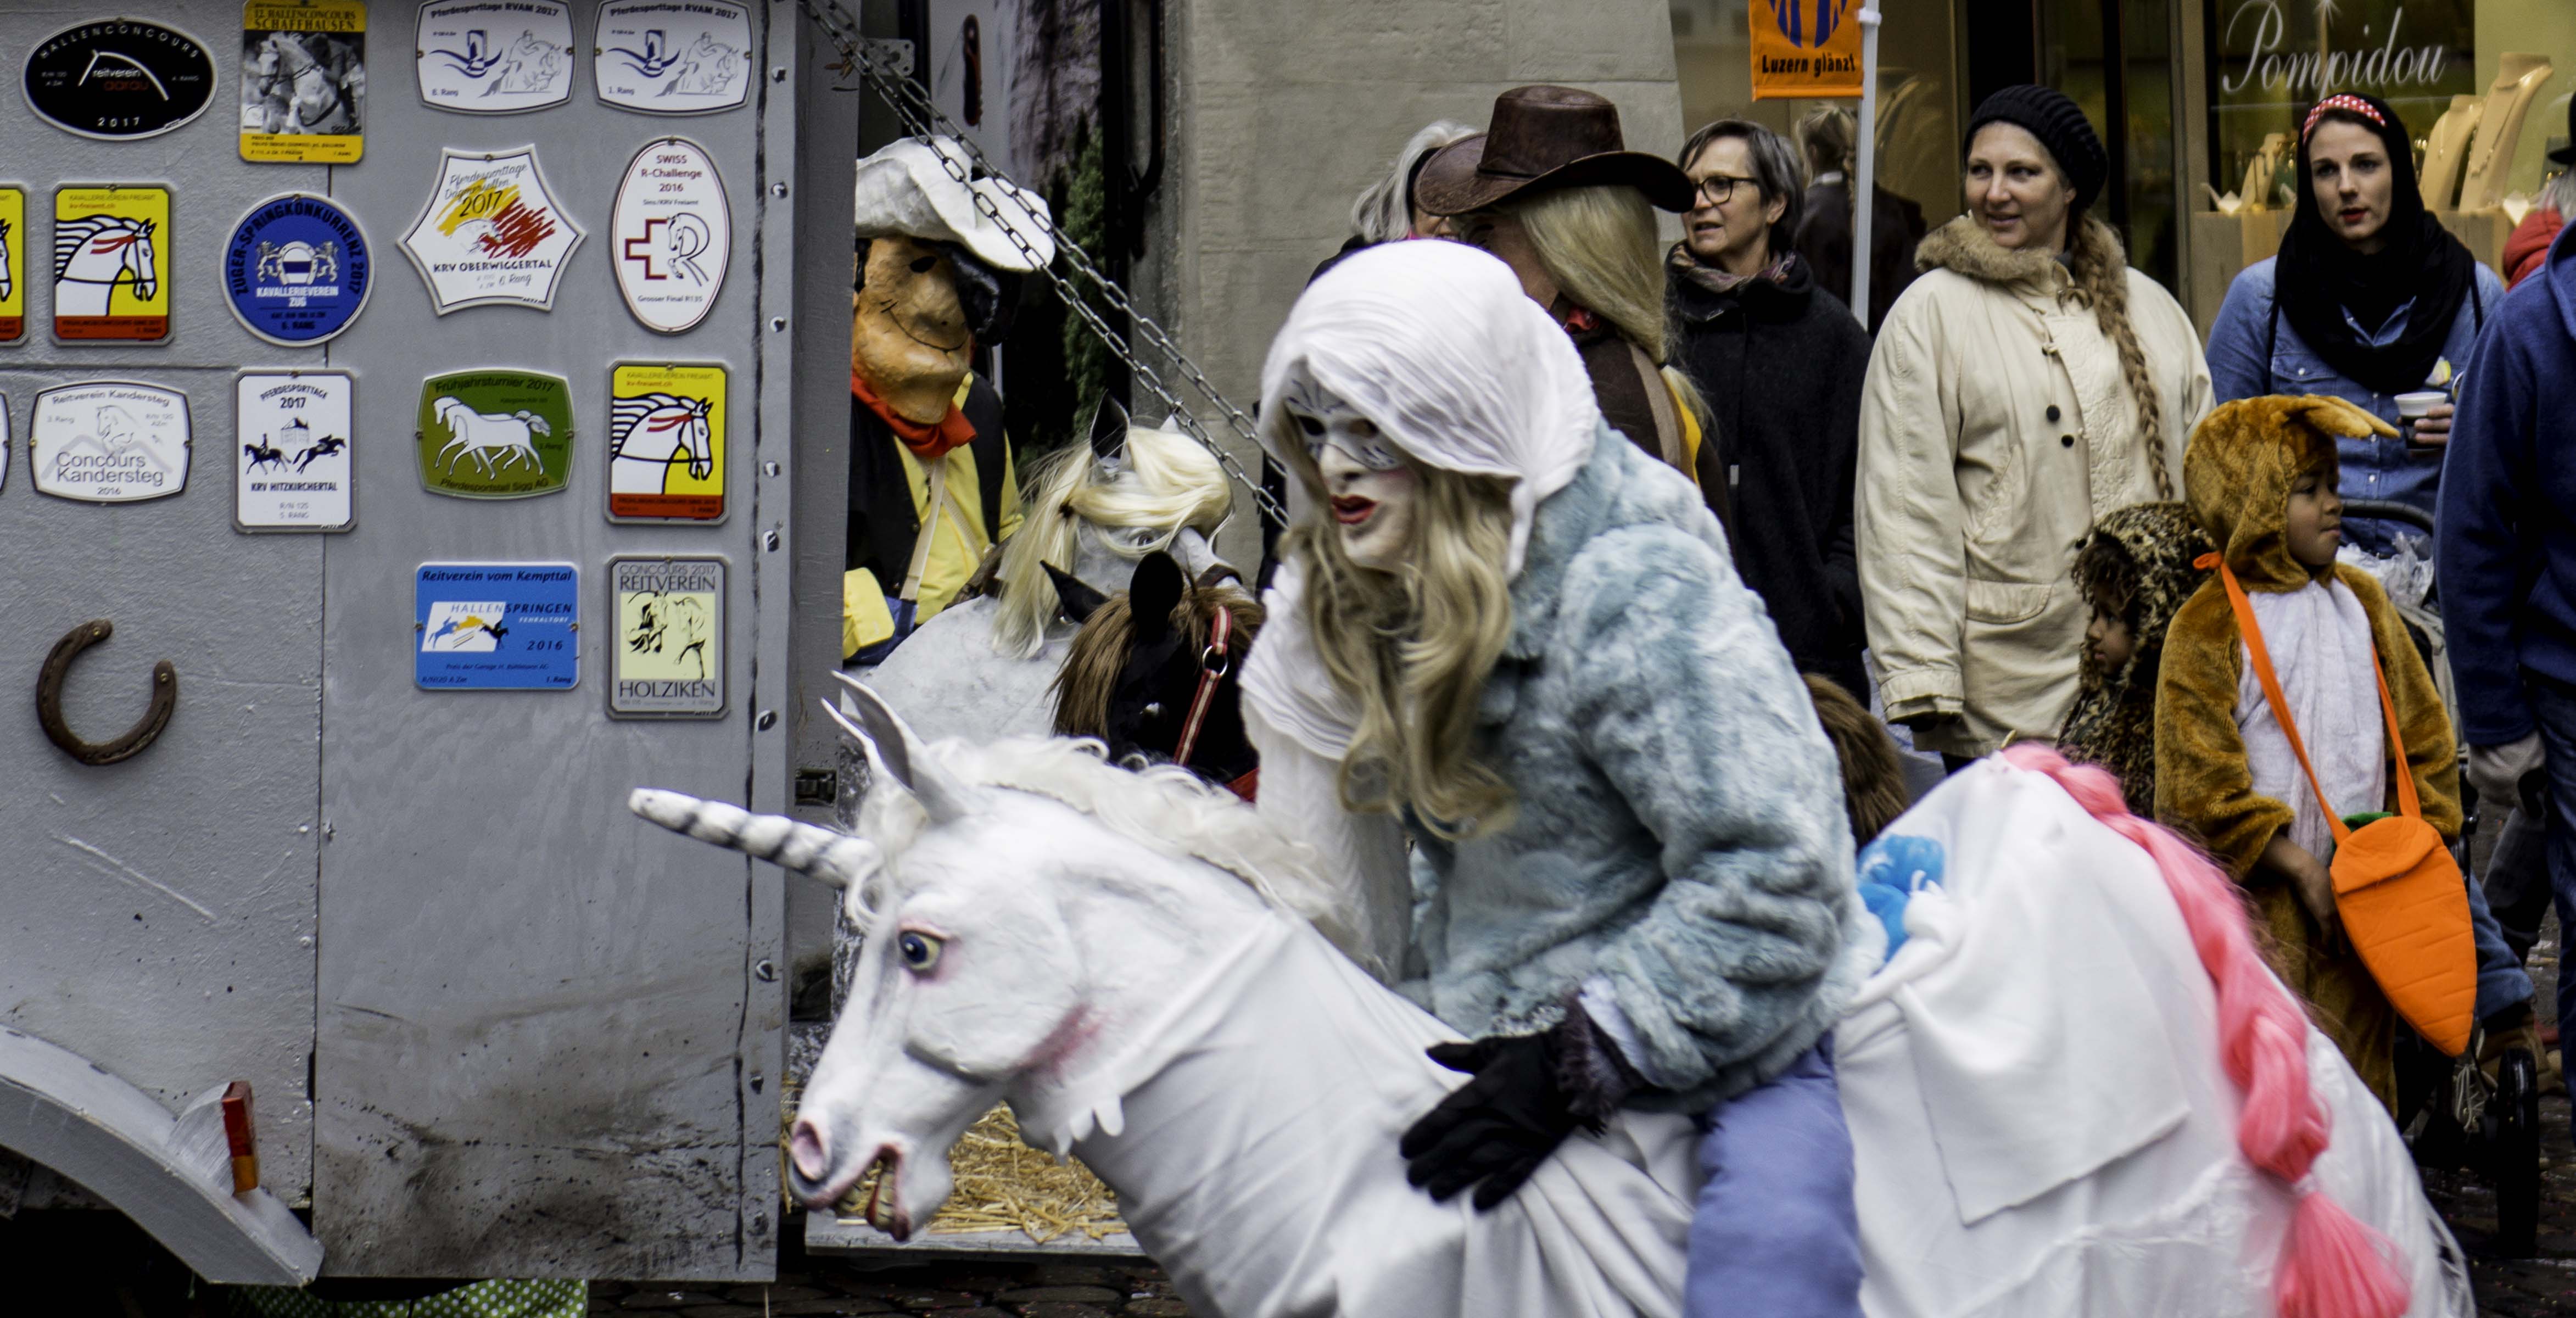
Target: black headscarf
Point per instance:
(2318, 276)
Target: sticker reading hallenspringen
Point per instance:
(496, 626)
(668, 657)
(110, 441)
(293, 471)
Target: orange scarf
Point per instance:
(929, 443)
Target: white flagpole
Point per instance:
(1865, 187)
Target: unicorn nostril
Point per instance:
(805, 1144)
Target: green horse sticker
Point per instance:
(495, 434)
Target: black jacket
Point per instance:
(883, 524)
(1824, 241)
(1781, 365)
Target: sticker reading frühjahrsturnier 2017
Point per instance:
(297, 269)
(496, 626)
(495, 434)
(304, 81)
(666, 443)
(13, 264)
(671, 235)
(491, 233)
(494, 56)
(112, 264)
(109, 441)
(673, 56)
(293, 471)
(667, 657)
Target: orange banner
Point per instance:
(1806, 49)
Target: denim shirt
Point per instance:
(2373, 468)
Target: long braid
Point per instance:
(2101, 270)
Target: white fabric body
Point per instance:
(2319, 640)
(904, 189)
(2039, 1121)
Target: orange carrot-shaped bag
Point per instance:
(2400, 894)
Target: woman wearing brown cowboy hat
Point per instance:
(1551, 189)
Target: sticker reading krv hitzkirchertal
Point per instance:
(496, 626)
(293, 472)
(668, 657)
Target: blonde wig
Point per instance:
(1169, 482)
(1599, 244)
(1414, 646)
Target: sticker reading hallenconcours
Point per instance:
(297, 269)
(666, 443)
(109, 441)
(294, 472)
(667, 659)
(494, 56)
(119, 78)
(671, 235)
(13, 265)
(112, 264)
(495, 434)
(491, 233)
(304, 81)
(497, 626)
(673, 56)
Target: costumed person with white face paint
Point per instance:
(1518, 638)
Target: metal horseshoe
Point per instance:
(49, 700)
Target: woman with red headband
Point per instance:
(2369, 299)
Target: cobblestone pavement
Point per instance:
(817, 1285)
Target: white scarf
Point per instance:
(2320, 643)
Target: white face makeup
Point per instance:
(1371, 486)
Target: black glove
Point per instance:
(1530, 1091)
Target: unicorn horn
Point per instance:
(836, 858)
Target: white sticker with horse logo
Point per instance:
(672, 235)
(491, 233)
(304, 81)
(673, 56)
(666, 443)
(110, 441)
(294, 471)
(494, 56)
(668, 657)
(112, 264)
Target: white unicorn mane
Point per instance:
(1170, 482)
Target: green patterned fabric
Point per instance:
(483, 1299)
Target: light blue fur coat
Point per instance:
(1680, 832)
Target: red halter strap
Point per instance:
(1214, 664)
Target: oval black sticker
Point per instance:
(119, 78)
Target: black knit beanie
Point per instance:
(2060, 125)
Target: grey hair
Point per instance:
(1384, 211)
(2559, 193)
(1775, 171)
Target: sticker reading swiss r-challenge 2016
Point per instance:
(112, 264)
(304, 81)
(297, 269)
(497, 626)
(293, 471)
(667, 659)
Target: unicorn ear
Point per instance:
(1109, 431)
(1153, 593)
(1078, 600)
(899, 752)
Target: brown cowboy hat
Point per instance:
(1542, 138)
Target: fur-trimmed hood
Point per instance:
(2240, 466)
(2144, 554)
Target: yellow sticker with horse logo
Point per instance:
(112, 264)
(666, 443)
(304, 81)
(13, 264)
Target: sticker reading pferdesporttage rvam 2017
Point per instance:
(304, 81)
(497, 626)
(673, 56)
(491, 233)
(667, 659)
(293, 471)
(666, 443)
(671, 235)
(13, 265)
(119, 78)
(495, 434)
(109, 441)
(297, 269)
(494, 56)
(112, 264)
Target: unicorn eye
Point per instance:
(919, 951)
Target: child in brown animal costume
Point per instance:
(2261, 477)
(2134, 568)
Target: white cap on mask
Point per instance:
(904, 189)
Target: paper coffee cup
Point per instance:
(2411, 406)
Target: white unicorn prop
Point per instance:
(980, 670)
(478, 435)
(1119, 956)
(650, 434)
(93, 255)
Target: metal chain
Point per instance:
(924, 118)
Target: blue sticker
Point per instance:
(297, 269)
(497, 626)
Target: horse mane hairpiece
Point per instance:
(1167, 482)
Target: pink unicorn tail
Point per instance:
(2332, 1264)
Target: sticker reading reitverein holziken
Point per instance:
(496, 626)
(304, 81)
(293, 471)
(667, 658)
(666, 443)
(112, 264)
(495, 434)
(109, 441)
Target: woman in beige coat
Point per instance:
(2026, 384)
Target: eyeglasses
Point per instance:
(1719, 189)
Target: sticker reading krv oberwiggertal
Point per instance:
(497, 626)
(668, 658)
